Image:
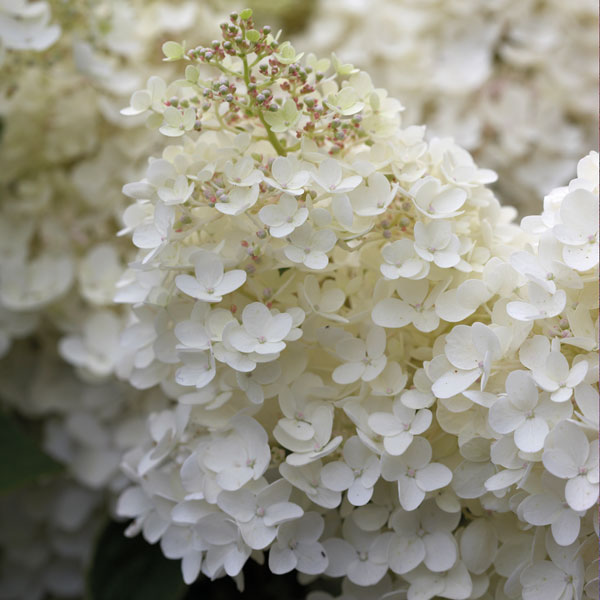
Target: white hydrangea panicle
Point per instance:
(369, 370)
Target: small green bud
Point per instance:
(266, 29)
(233, 16)
(260, 98)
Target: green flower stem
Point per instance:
(270, 135)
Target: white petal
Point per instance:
(312, 558)
(440, 551)
(559, 463)
(315, 260)
(281, 512)
(337, 476)
(347, 373)
(409, 493)
(565, 528)
(454, 382)
(392, 313)
(503, 479)
(542, 581)
(580, 493)
(189, 285)
(433, 477)
(397, 444)
(358, 494)
(231, 281)
(540, 509)
(366, 573)
(257, 534)
(384, 423)
(190, 566)
(478, 545)
(405, 553)
(146, 236)
(340, 554)
(530, 435)
(504, 417)
(281, 559)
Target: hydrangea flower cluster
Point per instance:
(504, 78)
(66, 152)
(47, 537)
(371, 371)
(26, 26)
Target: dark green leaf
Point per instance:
(21, 460)
(132, 569)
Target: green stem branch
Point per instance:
(270, 135)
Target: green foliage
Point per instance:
(131, 569)
(21, 460)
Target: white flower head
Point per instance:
(285, 216)
(436, 201)
(364, 359)
(211, 282)
(436, 243)
(569, 455)
(414, 473)
(310, 247)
